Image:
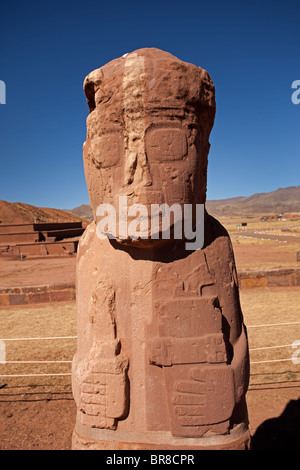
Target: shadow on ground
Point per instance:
(282, 433)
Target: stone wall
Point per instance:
(37, 294)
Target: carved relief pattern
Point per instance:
(102, 375)
(191, 349)
(103, 397)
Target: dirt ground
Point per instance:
(36, 271)
(266, 256)
(38, 423)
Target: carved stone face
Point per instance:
(148, 129)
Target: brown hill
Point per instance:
(283, 200)
(83, 211)
(19, 213)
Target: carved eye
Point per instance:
(107, 150)
(166, 144)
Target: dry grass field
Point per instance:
(264, 245)
(57, 320)
(257, 223)
(280, 309)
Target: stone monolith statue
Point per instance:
(162, 353)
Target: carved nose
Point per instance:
(137, 170)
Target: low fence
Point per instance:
(291, 358)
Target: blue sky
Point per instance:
(250, 49)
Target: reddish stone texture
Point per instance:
(40, 239)
(37, 294)
(36, 297)
(63, 295)
(18, 299)
(4, 299)
(18, 237)
(162, 358)
(289, 277)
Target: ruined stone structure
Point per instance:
(40, 239)
(162, 353)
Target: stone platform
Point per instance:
(40, 239)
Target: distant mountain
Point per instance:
(283, 200)
(83, 211)
(20, 213)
